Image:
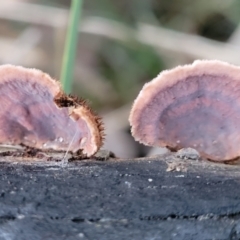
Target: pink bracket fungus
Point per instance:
(36, 113)
(196, 106)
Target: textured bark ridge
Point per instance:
(35, 112)
(195, 106)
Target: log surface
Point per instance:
(157, 198)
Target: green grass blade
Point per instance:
(70, 46)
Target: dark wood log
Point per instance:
(154, 198)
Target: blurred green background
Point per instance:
(121, 45)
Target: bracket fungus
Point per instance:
(195, 106)
(35, 113)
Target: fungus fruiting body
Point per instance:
(34, 112)
(195, 106)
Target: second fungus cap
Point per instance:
(195, 106)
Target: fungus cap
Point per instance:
(195, 106)
(36, 113)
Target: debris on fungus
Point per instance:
(196, 106)
(36, 113)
